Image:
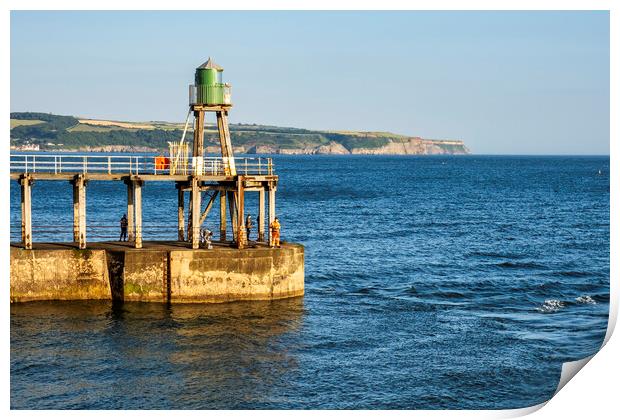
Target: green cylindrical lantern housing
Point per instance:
(206, 76)
(209, 86)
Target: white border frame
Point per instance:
(592, 395)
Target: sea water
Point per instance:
(431, 282)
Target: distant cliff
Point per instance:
(416, 146)
(32, 131)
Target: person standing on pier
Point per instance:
(205, 238)
(248, 226)
(123, 228)
(274, 236)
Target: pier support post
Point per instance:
(82, 195)
(131, 226)
(26, 185)
(272, 207)
(79, 210)
(195, 207)
(76, 212)
(233, 213)
(199, 134)
(222, 215)
(241, 236)
(227, 151)
(137, 195)
(181, 212)
(261, 215)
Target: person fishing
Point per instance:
(274, 233)
(205, 238)
(123, 228)
(248, 226)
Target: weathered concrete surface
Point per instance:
(160, 272)
(145, 276)
(249, 274)
(71, 274)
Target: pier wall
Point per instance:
(58, 274)
(157, 275)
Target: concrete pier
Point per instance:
(157, 272)
(140, 270)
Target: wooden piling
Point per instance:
(222, 215)
(79, 210)
(181, 212)
(233, 213)
(225, 143)
(261, 215)
(272, 207)
(26, 204)
(137, 195)
(241, 235)
(199, 133)
(76, 212)
(195, 218)
(131, 226)
(82, 205)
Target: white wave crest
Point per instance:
(551, 305)
(585, 299)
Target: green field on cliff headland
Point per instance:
(56, 132)
(17, 123)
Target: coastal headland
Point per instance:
(36, 131)
(166, 272)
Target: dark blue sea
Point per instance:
(432, 282)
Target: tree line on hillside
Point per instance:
(52, 122)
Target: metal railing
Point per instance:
(137, 165)
(102, 230)
(218, 94)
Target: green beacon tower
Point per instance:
(209, 87)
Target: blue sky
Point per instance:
(504, 82)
